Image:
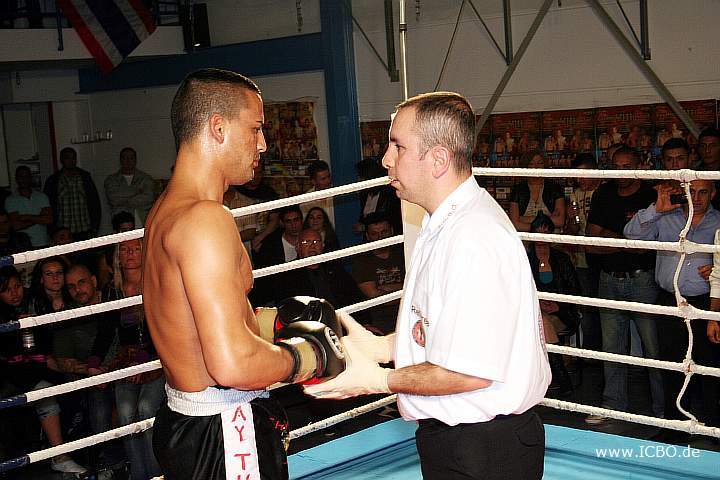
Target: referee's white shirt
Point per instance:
(471, 299)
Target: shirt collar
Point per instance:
(458, 197)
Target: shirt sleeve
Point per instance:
(596, 214)
(643, 225)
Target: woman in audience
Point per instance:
(536, 194)
(318, 220)
(554, 272)
(25, 365)
(47, 291)
(137, 397)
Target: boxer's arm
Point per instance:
(208, 255)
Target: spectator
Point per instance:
(319, 172)
(327, 280)
(586, 266)
(47, 292)
(258, 191)
(554, 272)
(123, 221)
(73, 345)
(625, 275)
(675, 154)
(29, 211)
(25, 365)
(138, 397)
(536, 194)
(381, 199)
(663, 221)
(709, 148)
(318, 220)
(380, 271)
(74, 197)
(11, 242)
(130, 189)
(256, 227)
(278, 247)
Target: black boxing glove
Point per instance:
(315, 348)
(301, 308)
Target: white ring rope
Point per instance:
(119, 374)
(689, 426)
(309, 197)
(93, 381)
(687, 312)
(48, 318)
(684, 367)
(684, 175)
(341, 417)
(34, 255)
(686, 246)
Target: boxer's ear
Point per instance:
(217, 125)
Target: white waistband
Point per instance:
(210, 401)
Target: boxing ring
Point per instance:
(387, 450)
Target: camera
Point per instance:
(678, 199)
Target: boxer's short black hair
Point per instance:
(203, 93)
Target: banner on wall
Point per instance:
(109, 29)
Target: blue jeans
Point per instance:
(137, 402)
(100, 406)
(615, 337)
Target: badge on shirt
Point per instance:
(418, 330)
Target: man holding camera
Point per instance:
(663, 221)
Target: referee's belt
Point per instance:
(433, 422)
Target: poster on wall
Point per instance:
(512, 135)
(565, 133)
(374, 138)
(481, 153)
(630, 124)
(668, 125)
(291, 138)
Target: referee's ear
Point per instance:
(441, 158)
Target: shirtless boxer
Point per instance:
(218, 422)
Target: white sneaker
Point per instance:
(596, 419)
(65, 464)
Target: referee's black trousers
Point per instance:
(505, 448)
